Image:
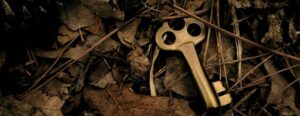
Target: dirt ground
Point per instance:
(133, 57)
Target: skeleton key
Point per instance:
(183, 39)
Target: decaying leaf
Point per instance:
(100, 71)
(12, 106)
(127, 34)
(76, 72)
(138, 61)
(5, 112)
(75, 15)
(282, 98)
(66, 35)
(45, 104)
(115, 101)
(176, 77)
(104, 8)
(241, 3)
(212, 56)
(65, 77)
(57, 88)
(194, 4)
(33, 104)
(275, 31)
(97, 28)
(259, 4)
(107, 45)
(106, 80)
(71, 53)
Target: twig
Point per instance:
(235, 61)
(220, 47)
(28, 54)
(245, 18)
(245, 98)
(290, 84)
(208, 33)
(81, 36)
(235, 36)
(115, 100)
(33, 57)
(264, 109)
(110, 57)
(151, 8)
(239, 48)
(256, 82)
(183, 15)
(51, 67)
(160, 71)
(112, 72)
(289, 65)
(238, 111)
(249, 72)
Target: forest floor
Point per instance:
(103, 57)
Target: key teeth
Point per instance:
(218, 86)
(224, 99)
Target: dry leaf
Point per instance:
(71, 53)
(107, 45)
(275, 31)
(5, 111)
(113, 101)
(75, 15)
(258, 4)
(76, 71)
(65, 77)
(45, 104)
(33, 104)
(282, 98)
(97, 28)
(66, 35)
(177, 80)
(241, 3)
(57, 88)
(100, 71)
(127, 34)
(193, 5)
(104, 8)
(11, 105)
(138, 61)
(106, 80)
(212, 56)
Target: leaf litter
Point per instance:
(73, 76)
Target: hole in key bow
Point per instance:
(194, 29)
(176, 24)
(168, 38)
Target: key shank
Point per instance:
(202, 82)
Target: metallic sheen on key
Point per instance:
(184, 40)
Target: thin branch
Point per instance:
(249, 72)
(230, 34)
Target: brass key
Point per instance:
(184, 40)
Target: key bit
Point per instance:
(224, 99)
